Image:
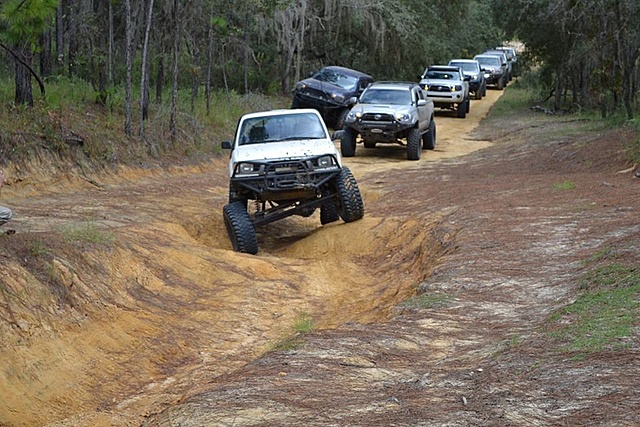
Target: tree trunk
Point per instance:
(160, 79)
(45, 54)
(72, 36)
(210, 51)
(24, 93)
(59, 34)
(144, 81)
(128, 61)
(174, 86)
(110, 44)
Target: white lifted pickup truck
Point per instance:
(286, 162)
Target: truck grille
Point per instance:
(439, 88)
(377, 117)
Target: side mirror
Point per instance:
(353, 100)
(337, 134)
(422, 102)
(227, 145)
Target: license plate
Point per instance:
(376, 130)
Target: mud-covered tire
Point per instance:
(461, 111)
(414, 144)
(351, 207)
(240, 229)
(429, 137)
(340, 118)
(348, 142)
(329, 213)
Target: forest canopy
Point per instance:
(585, 53)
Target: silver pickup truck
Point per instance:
(393, 113)
(448, 87)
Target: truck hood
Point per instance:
(441, 82)
(382, 109)
(326, 87)
(285, 150)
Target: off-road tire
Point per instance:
(329, 213)
(351, 206)
(478, 94)
(240, 229)
(461, 111)
(501, 83)
(295, 103)
(348, 142)
(484, 90)
(429, 137)
(468, 104)
(414, 144)
(340, 118)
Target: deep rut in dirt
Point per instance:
(105, 333)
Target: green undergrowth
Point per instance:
(303, 324)
(605, 314)
(69, 123)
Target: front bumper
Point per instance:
(284, 180)
(379, 127)
(317, 100)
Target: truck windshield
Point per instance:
(282, 127)
(386, 96)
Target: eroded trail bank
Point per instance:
(531, 214)
(121, 295)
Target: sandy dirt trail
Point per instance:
(114, 332)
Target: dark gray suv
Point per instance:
(330, 90)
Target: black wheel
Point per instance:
(295, 103)
(468, 104)
(368, 144)
(328, 213)
(478, 94)
(429, 137)
(484, 90)
(348, 142)
(241, 231)
(461, 112)
(351, 206)
(501, 83)
(342, 115)
(414, 144)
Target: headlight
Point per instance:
(326, 162)
(457, 88)
(246, 169)
(474, 77)
(425, 87)
(404, 118)
(300, 86)
(351, 117)
(338, 98)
